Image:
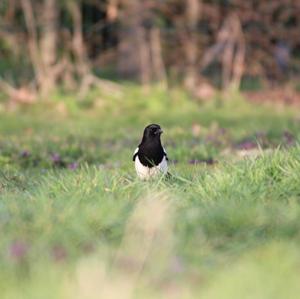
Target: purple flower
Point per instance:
(25, 154)
(209, 161)
(59, 253)
(222, 131)
(18, 250)
(56, 158)
(73, 166)
(247, 145)
(288, 137)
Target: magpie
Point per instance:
(150, 157)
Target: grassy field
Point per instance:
(75, 222)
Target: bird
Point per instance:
(150, 157)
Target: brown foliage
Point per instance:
(194, 41)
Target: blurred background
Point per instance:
(204, 46)
(79, 81)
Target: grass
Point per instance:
(75, 222)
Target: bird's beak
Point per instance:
(160, 131)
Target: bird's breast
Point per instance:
(151, 156)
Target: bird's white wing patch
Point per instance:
(135, 153)
(166, 155)
(163, 165)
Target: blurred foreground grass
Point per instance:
(76, 223)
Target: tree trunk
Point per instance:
(144, 62)
(238, 66)
(11, 11)
(43, 51)
(133, 50)
(159, 71)
(78, 43)
(33, 45)
(190, 47)
(48, 45)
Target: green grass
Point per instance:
(75, 222)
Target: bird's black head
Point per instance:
(152, 131)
